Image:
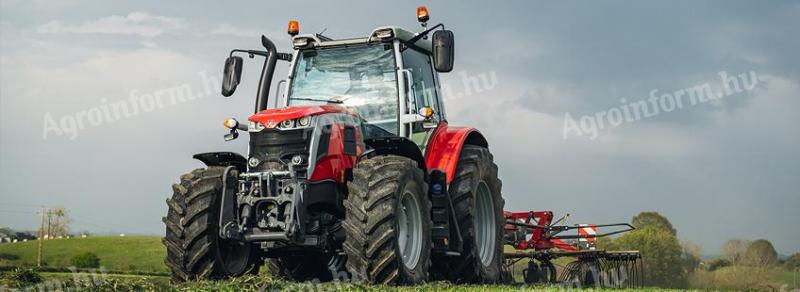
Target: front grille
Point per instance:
(275, 148)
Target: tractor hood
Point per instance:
(272, 117)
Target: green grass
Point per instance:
(790, 278)
(746, 277)
(64, 281)
(143, 254)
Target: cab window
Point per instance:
(423, 88)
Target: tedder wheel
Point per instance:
(478, 203)
(194, 249)
(387, 222)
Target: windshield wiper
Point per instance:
(320, 100)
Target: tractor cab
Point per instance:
(388, 77)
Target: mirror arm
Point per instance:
(252, 53)
(411, 41)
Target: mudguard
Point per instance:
(445, 147)
(397, 146)
(223, 159)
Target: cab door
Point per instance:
(423, 92)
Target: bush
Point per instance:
(717, 264)
(645, 219)
(761, 253)
(661, 255)
(8, 257)
(735, 278)
(793, 262)
(24, 277)
(86, 261)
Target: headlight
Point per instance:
(255, 126)
(302, 42)
(384, 34)
(304, 121)
(253, 161)
(297, 160)
(287, 124)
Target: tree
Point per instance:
(692, 255)
(661, 255)
(761, 253)
(717, 263)
(793, 261)
(6, 232)
(645, 219)
(57, 222)
(733, 250)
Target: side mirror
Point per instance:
(231, 75)
(443, 50)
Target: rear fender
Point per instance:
(445, 147)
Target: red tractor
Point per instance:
(355, 172)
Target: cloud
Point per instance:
(149, 44)
(135, 23)
(231, 30)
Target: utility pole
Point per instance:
(41, 238)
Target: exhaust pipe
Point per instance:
(266, 74)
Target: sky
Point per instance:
(537, 78)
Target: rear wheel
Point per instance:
(194, 249)
(388, 222)
(478, 202)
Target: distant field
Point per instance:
(122, 254)
(136, 254)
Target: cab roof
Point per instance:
(398, 33)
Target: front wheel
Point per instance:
(194, 249)
(387, 222)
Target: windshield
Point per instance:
(362, 77)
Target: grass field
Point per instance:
(138, 254)
(65, 281)
(791, 278)
(144, 254)
(123, 256)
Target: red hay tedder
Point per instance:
(536, 237)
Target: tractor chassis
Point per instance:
(264, 211)
(266, 208)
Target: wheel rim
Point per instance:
(409, 225)
(485, 225)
